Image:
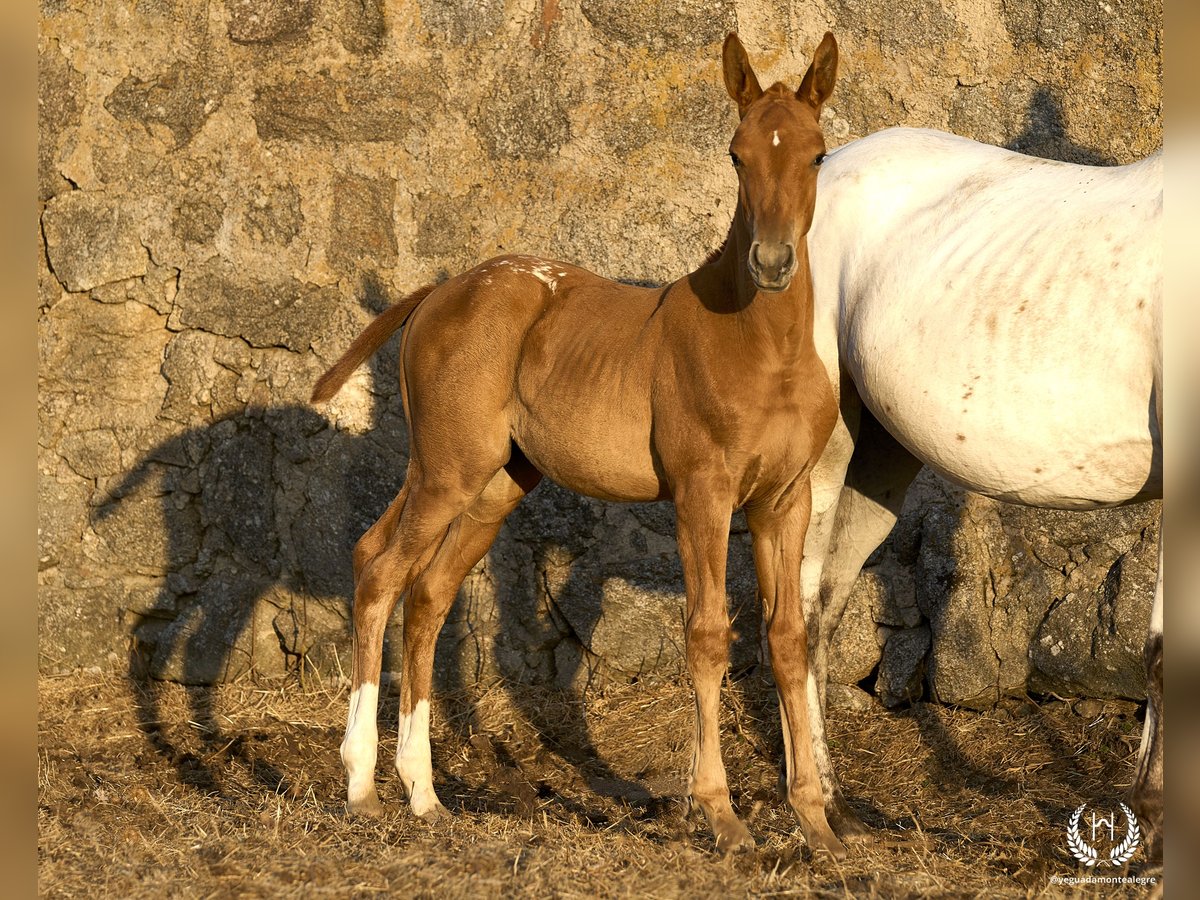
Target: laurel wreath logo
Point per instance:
(1124, 851)
(1118, 856)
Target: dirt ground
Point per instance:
(155, 790)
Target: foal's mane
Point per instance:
(715, 254)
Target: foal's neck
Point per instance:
(781, 320)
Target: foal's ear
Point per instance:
(818, 80)
(740, 79)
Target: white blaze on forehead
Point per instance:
(775, 139)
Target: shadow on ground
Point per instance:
(261, 510)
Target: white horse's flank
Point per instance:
(1001, 317)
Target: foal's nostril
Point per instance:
(755, 263)
(774, 257)
(771, 264)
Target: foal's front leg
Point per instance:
(778, 533)
(703, 535)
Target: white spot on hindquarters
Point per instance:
(539, 269)
(775, 139)
(545, 275)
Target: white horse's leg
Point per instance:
(827, 481)
(1147, 794)
(876, 481)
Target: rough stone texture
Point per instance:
(290, 314)
(1009, 599)
(860, 636)
(59, 107)
(851, 697)
(181, 99)
(362, 220)
(661, 26)
(91, 240)
(229, 191)
(369, 106)
(266, 21)
(360, 25)
(902, 666)
(450, 21)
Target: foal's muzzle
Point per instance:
(772, 265)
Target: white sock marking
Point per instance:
(361, 743)
(414, 762)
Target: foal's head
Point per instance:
(776, 151)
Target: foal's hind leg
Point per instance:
(425, 609)
(362, 736)
(387, 561)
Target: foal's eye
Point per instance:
(735, 159)
(820, 158)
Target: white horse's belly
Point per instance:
(1016, 390)
(1000, 316)
(1015, 393)
(1023, 445)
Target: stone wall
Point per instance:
(229, 190)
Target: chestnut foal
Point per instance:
(708, 392)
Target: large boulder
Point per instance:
(1014, 600)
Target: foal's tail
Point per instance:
(373, 337)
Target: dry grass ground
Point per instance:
(163, 791)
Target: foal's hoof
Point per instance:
(821, 839)
(365, 806)
(433, 814)
(827, 844)
(733, 837)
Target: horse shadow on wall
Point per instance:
(261, 509)
(1045, 133)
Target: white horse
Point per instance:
(998, 318)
